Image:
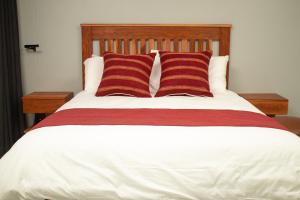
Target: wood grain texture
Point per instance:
(119, 46)
(224, 47)
(151, 45)
(159, 44)
(292, 123)
(159, 25)
(269, 103)
(209, 44)
(87, 48)
(101, 46)
(200, 45)
(167, 45)
(192, 45)
(133, 48)
(126, 46)
(45, 102)
(147, 34)
(175, 45)
(143, 46)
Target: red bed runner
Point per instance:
(159, 117)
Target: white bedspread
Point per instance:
(153, 162)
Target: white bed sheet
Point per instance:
(224, 100)
(153, 162)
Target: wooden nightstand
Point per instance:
(43, 103)
(269, 103)
(292, 123)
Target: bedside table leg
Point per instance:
(39, 117)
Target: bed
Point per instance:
(256, 159)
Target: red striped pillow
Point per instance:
(126, 75)
(184, 74)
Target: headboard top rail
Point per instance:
(160, 25)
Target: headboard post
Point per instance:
(87, 47)
(225, 47)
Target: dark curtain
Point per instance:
(11, 117)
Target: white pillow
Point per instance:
(155, 73)
(93, 73)
(217, 73)
(94, 70)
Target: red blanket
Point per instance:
(159, 117)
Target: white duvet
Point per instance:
(153, 162)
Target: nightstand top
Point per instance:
(269, 103)
(263, 96)
(49, 95)
(292, 123)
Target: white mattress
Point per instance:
(153, 162)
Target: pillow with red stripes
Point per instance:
(126, 75)
(184, 74)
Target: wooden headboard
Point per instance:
(141, 38)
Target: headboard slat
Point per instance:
(126, 46)
(151, 44)
(168, 44)
(102, 46)
(200, 45)
(184, 45)
(133, 49)
(110, 44)
(192, 45)
(176, 45)
(209, 44)
(159, 44)
(166, 37)
(119, 46)
(143, 46)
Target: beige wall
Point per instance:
(264, 51)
